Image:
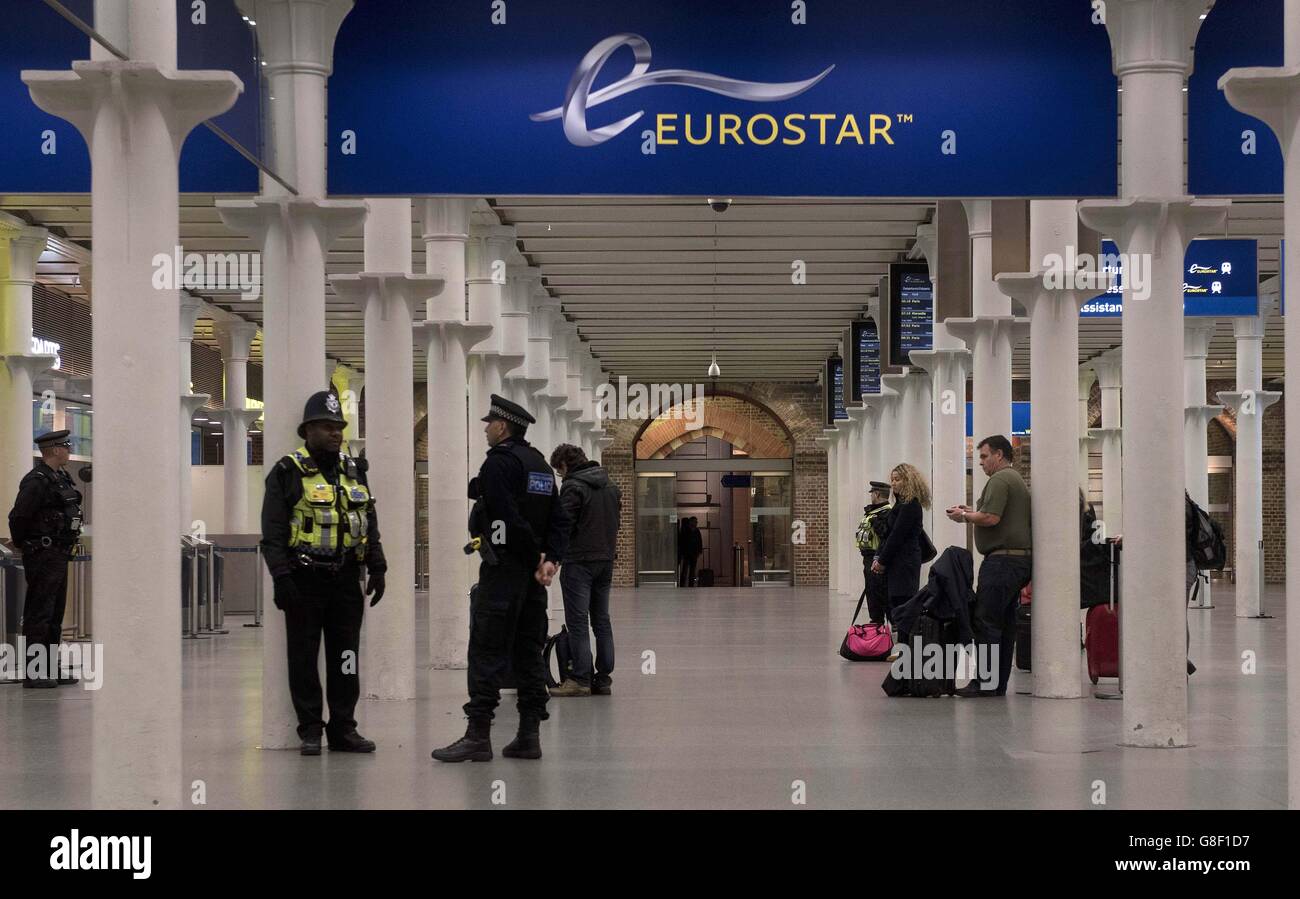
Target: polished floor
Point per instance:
(748, 706)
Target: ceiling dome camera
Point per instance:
(719, 206)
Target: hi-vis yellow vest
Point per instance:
(328, 522)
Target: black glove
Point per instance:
(375, 585)
(286, 592)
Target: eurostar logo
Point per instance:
(578, 96)
(1198, 269)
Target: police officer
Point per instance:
(45, 524)
(318, 528)
(518, 513)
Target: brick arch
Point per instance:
(761, 436)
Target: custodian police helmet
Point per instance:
(323, 406)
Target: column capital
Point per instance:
(971, 329)
(1197, 333)
(979, 218)
(1153, 35)
(445, 218)
(235, 338)
(193, 402)
(1086, 376)
(35, 364)
(1255, 400)
(1271, 95)
(232, 417)
(256, 218)
(927, 247)
(1135, 223)
(190, 307)
(184, 98)
(1201, 414)
(939, 362)
(296, 35)
(444, 335)
(1030, 291)
(384, 287)
(26, 243)
(1109, 369)
(1249, 327)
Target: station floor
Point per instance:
(747, 697)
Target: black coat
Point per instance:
(592, 504)
(901, 551)
(948, 595)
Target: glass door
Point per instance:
(771, 555)
(656, 529)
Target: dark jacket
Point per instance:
(48, 505)
(518, 489)
(592, 503)
(283, 490)
(1094, 561)
(901, 551)
(690, 544)
(948, 595)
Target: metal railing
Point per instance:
(421, 566)
(219, 602)
(79, 582)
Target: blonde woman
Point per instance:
(899, 556)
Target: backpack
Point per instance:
(1205, 541)
(558, 645)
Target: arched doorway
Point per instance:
(724, 463)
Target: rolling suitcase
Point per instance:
(705, 578)
(1101, 638)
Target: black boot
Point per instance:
(351, 742)
(50, 668)
(527, 743)
(475, 746)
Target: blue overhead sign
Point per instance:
(1019, 420)
(42, 153)
(1220, 279)
(665, 97)
(1230, 153)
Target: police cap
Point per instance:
(879, 487)
(507, 411)
(322, 406)
(54, 438)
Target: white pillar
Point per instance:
(1273, 95)
(447, 339)
(537, 368)
(572, 407)
(20, 247)
(514, 332)
(855, 490)
(190, 403)
(556, 393)
(294, 233)
(387, 293)
(487, 254)
(831, 441)
(1197, 333)
(236, 340)
(1151, 41)
(134, 116)
(1109, 375)
(1086, 378)
(1054, 499)
(1249, 401)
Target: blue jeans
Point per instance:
(586, 593)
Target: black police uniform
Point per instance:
(328, 595)
(45, 523)
(508, 611)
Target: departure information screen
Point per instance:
(866, 358)
(911, 311)
(835, 390)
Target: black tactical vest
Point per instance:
(59, 517)
(535, 493)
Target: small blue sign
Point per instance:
(541, 482)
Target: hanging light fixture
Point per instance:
(714, 369)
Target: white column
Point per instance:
(1109, 375)
(855, 491)
(1086, 378)
(1249, 401)
(947, 364)
(236, 341)
(20, 247)
(487, 255)
(834, 538)
(387, 293)
(991, 333)
(1151, 41)
(294, 233)
(1053, 374)
(537, 368)
(572, 408)
(190, 403)
(134, 115)
(1273, 95)
(447, 339)
(514, 332)
(556, 393)
(1197, 333)
(593, 377)
(876, 465)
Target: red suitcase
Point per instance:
(1101, 638)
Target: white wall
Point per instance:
(209, 498)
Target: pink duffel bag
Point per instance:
(866, 642)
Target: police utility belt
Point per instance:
(328, 528)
